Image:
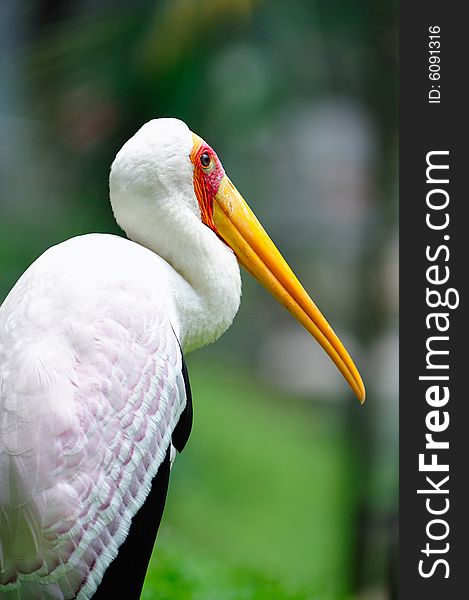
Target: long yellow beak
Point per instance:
(238, 226)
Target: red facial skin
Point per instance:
(206, 180)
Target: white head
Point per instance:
(169, 192)
(152, 178)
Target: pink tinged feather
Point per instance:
(88, 402)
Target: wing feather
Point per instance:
(91, 389)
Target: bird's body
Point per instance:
(92, 389)
(89, 360)
(92, 381)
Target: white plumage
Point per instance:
(91, 385)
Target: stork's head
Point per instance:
(167, 173)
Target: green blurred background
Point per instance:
(287, 488)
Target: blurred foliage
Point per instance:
(245, 494)
(290, 494)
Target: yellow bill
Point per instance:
(239, 227)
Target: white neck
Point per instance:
(153, 199)
(208, 300)
(204, 280)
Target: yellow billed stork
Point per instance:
(94, 393)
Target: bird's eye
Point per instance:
(205, 159)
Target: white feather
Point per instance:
(91, 385)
